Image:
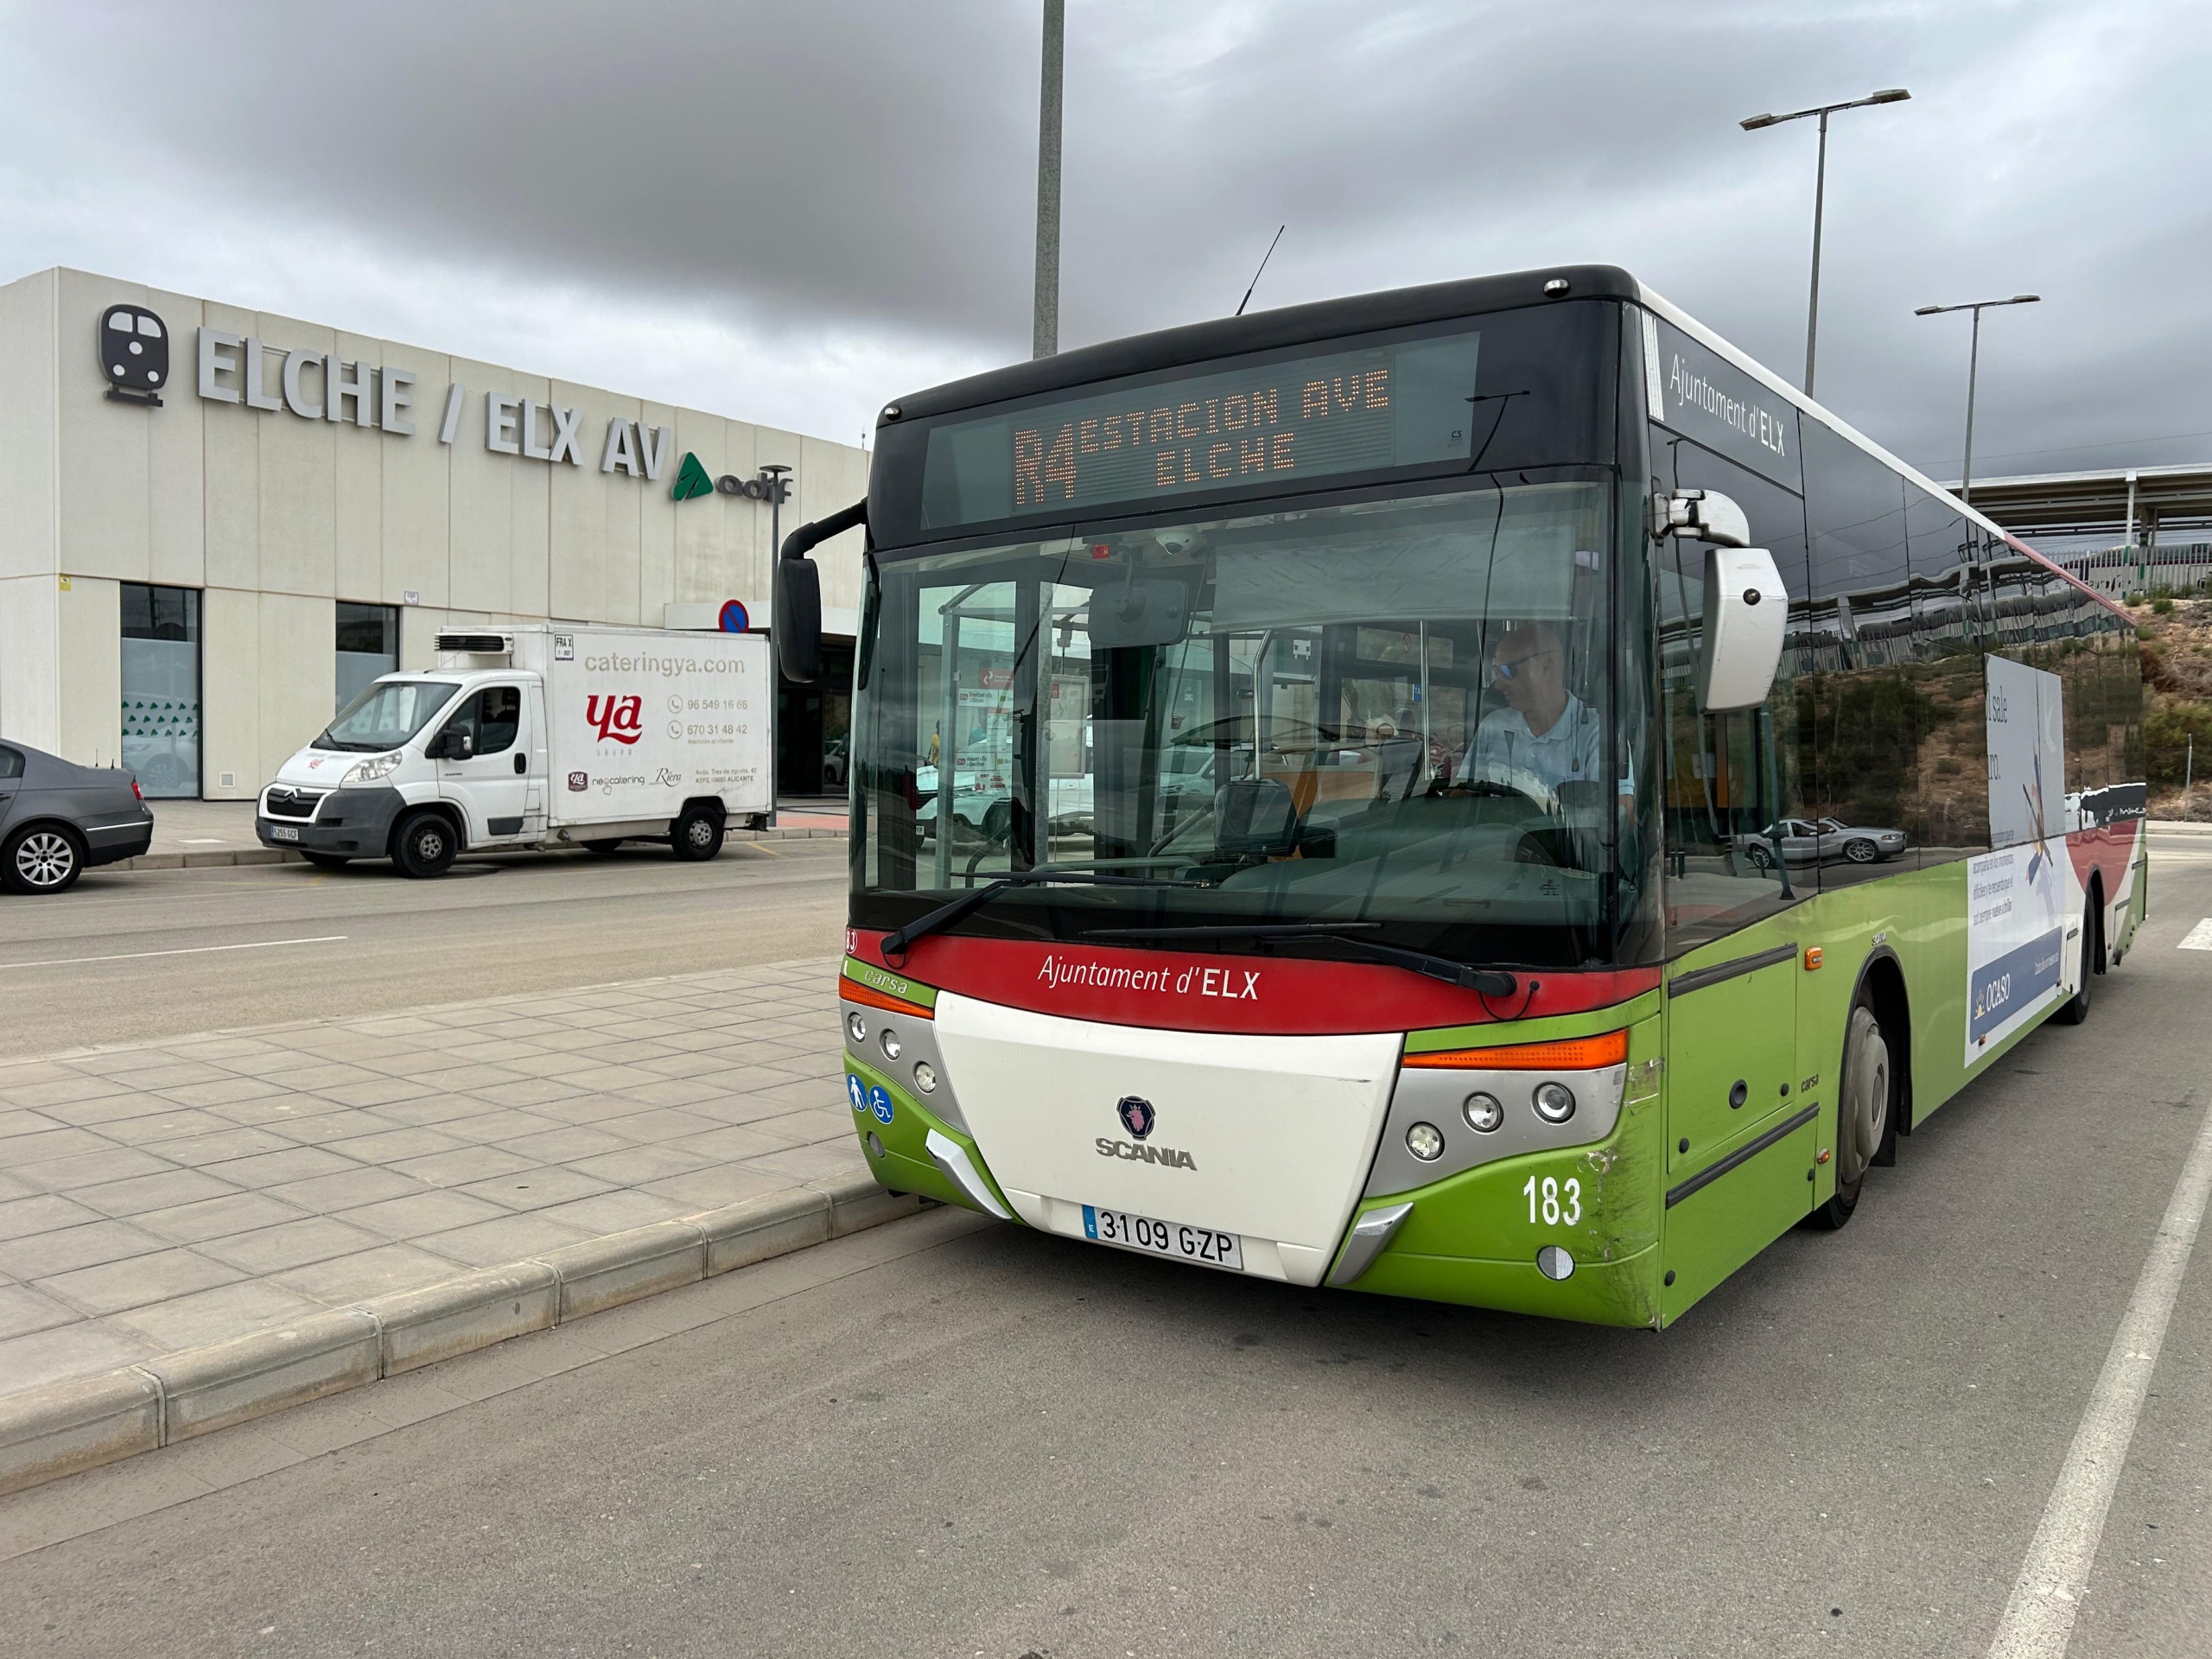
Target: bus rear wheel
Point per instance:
(2075, 1008)
(1865, 1096)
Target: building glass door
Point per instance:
(368, 645)
(161, 689)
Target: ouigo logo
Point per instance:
(619, 720)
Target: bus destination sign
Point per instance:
(1408, 405)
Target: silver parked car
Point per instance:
(58, 818)
(1820, 840)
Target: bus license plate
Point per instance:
(1174, 1238)
(282, 832)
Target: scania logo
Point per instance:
(1137, 1115)
(1167, 1157)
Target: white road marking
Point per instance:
(193, 950)
(2039, 1621)
(2198, 937)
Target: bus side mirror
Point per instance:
(797, 621)
(1703, 516)
(1746, 611)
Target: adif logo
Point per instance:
(621, 720)
(134, 354)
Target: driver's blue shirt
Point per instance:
(1572, 751)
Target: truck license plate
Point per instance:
(282, 832)
(1172, 1238)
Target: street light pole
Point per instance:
(1974, 371)
(1045, 326)
(1752, 124)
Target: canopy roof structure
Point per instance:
(2115, 502)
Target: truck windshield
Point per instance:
(385, 715)
(1399, 712)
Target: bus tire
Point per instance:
(424, 845)
(2075, 1009)
(1866, 1098)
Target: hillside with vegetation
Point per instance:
(2174, 637)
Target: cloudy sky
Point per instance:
(792, 212)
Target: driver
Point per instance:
(1545, 734)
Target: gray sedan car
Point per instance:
(1820, 841)
(58, 818)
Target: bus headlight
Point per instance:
(1484, 1113)
(858, 1027)
(1425, 1142)
(924, 1077)
(1555, 1102)
(892, 1044)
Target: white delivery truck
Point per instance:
(538, 737)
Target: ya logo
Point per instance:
(619, 720)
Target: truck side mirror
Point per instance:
(1746, 614)
(451, 744)
(797, 621)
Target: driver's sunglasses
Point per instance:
(1512, 670)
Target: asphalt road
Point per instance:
(983, 1441)
(141, 954)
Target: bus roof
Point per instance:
(1358, 313)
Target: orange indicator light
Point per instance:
(1567, 1054)
(1812, 957)
(868, 997)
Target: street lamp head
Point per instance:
(1752, 124)
(1890, 95)
(1927, 310)
(2024, 299)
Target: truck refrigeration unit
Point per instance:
(537, 737)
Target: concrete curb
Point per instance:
(80, 1423)
(278, 855)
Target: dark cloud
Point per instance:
(793, 211)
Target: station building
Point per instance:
(216, 525)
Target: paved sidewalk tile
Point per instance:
(190, 1191)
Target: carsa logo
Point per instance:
(621, 720)
(578, 781)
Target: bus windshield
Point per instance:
(1395, 716)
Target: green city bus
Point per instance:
(1479, 792)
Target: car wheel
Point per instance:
(325, 860)
(602, 847)
(1863, 1099)
(1861, 852)
(40, 860)
(2075, 1008)
(424, 845)
(1759, 859)
(697, 834)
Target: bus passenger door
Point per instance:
(1735, 1165)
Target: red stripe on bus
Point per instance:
(1252, 995)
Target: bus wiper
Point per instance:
(945, 916)
(1490, 982)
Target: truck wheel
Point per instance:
(424, 845)
(696, 835)
(41, 859)
(325, 860)
(602, 847)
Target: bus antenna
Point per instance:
(1264, 257)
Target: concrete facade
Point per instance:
(243, 487)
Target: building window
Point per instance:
(368, 645)
(161, 689)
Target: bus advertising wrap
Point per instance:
(2018, 897)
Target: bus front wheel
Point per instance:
(1863, 1100)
